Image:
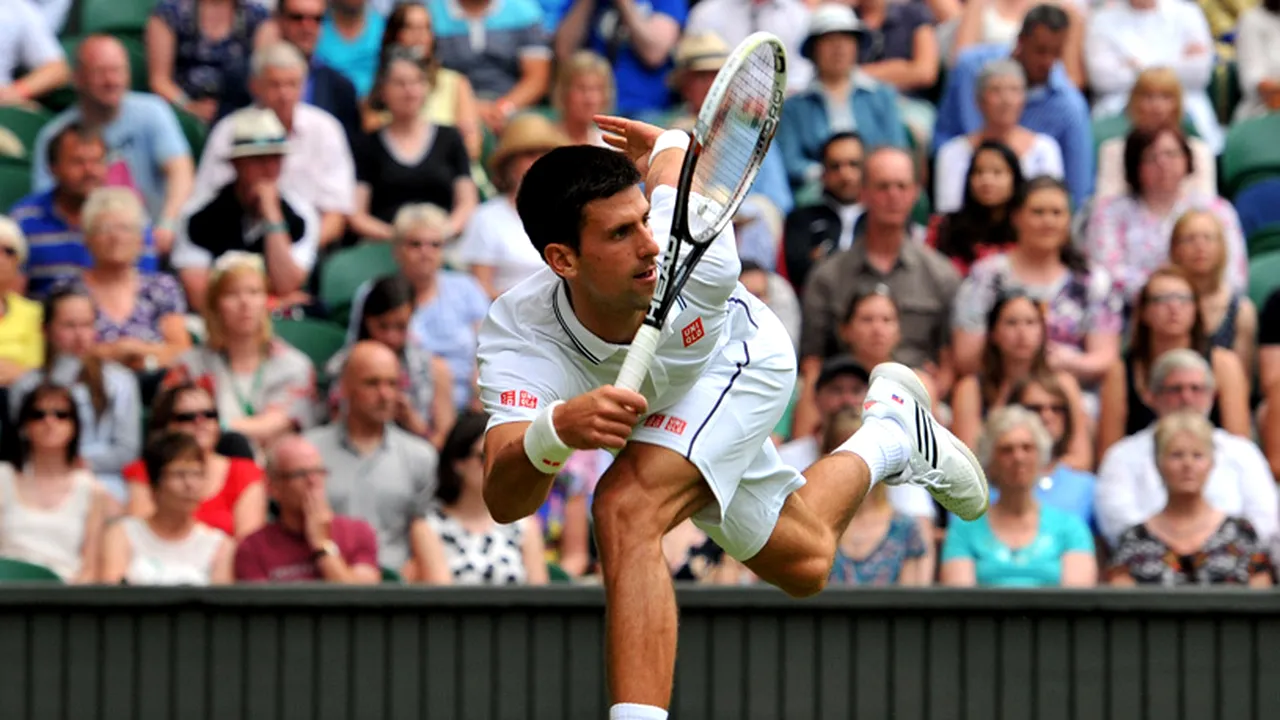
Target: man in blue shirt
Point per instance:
(1054, 106)
(637, 37)
(51, 219)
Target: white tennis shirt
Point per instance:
(533, 350)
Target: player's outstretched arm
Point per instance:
(636, 139)
(522, 459)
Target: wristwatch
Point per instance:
(328, 548)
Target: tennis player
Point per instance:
(695, 441)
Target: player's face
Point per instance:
(616, 265)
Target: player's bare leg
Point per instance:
(646, 492)
(899, 442)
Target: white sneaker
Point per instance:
(939, 462)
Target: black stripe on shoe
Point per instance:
(929, 442)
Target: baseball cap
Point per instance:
(839, 366)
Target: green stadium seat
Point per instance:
(193, 129)
(115, 16)
(1264, 241)
(557, 574)
(1250, 154)
(15, 184)
(1224, 90)
(1264, 277)
(319, 340)
(16, 571)
(390, 577)
(343, 272)
(24, 124)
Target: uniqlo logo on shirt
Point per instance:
(675, 425)
(527, 400)
(654, 421)
(692, 332)
(508, 398)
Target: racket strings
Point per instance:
(732, 139)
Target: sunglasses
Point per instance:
(299, 17)
(190, 417)
(42, 414)
(1042, 409)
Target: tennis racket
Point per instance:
(730, 138)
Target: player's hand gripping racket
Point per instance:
(731, 136)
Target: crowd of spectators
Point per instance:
(250, 243)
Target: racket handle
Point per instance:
(639, 357)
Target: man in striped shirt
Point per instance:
(51, 219)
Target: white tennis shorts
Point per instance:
(723, 426)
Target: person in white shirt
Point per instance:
(493, 244)
(1258, 58)
(1129, 488)
(1125, 38)
(27, 41)
(695, 441)
(734, 20)
(1001, 96)
(319, 170)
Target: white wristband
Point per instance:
(670, 139)
(542, 445)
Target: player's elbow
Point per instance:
(503, 507)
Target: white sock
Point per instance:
(883, 444)
(634, 711)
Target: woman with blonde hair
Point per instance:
(882, 546)
(1155, 102)
(1230, 320)
(21, 338)
(138, 317)
(584, 87)
(262, 387)
(1189, 542)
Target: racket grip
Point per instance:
(639, 357)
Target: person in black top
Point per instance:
(251, 213)
(813, 232)
(410, 160)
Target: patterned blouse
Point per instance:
(489, 558)
(1131, 242)
(203, 67)
(159, 295)
(1078, 304)
(884, 565)
(1229, 557)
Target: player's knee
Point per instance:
(623, 512)
(807, 578)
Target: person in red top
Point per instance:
(981, 226)
(308, 542)
(235, 499)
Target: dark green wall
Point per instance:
(262, 654)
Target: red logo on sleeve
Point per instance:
(528, 400)
(508, 398)
(692, 332)
(655, 421)
(675, 425)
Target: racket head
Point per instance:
(733, 132)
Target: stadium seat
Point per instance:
(319, 340)
(12, 571)
(1250, 154)
(1224, 90)
(193, 129)
(15, 184)
(390, 577)
(343, 272)
(24, 124)
(557, 574)
(1264, 277)
(1264, 241)
(1258, 206)
(115, 16)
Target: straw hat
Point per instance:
(256, 132)
(828, 19)
(700, 52)
(528, 132)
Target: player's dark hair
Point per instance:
(1048, 16)
(468, 428)
(559, 186)
(839, 137)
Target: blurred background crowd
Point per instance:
(248, 248)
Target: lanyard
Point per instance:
(246, 403)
